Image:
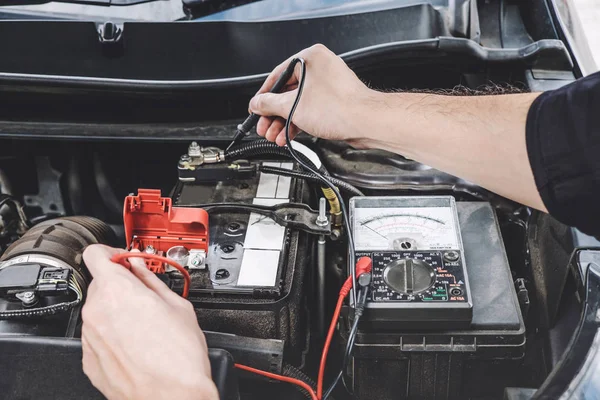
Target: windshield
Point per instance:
(174, 10)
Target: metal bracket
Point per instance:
(293, 215)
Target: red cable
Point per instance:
(343, 293)
(282, 378)
(363, 265)
(122, 258)
(336, 315)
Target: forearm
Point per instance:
(477, 138)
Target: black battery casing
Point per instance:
(277, 312)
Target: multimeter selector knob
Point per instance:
(409, 276)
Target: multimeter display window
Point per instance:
(405, 228)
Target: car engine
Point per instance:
(442, 310)
(316, 270)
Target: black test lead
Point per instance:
(244, 128)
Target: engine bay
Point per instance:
(409, 282)
(458, 301)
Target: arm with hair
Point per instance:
(478, 138)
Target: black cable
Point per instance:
(39, 311)
(262, 147)
(352, 336)
(325, 180)
(293, 372)
(311, 177)
(349, 345)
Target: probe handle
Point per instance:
(252, 119)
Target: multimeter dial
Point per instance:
(409, 276)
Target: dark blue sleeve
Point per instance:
(563, 144)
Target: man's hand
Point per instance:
(140, 340)
(332, 101)
(478, 138)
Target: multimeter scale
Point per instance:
(419, 279)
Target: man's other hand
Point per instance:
(140, 340)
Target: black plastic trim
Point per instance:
(544, 54)
(43, 367)
(564, 375)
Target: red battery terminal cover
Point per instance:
(151, 222)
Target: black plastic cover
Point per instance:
(172, 52)
(50, 368)
(22, 276)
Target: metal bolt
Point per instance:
(150, 249)
(27, 295)
(179, 254)
(198, 260)
(194, 149)
(185, 158)
(335, 234)
(28, 298)
(322, 218)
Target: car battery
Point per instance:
(477, 361)
(252, 281)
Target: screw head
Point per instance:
(451, 256)
(198, 260)
(150, 249)
(27, 298)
